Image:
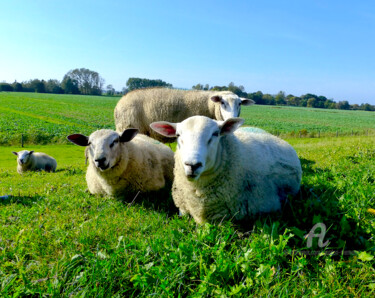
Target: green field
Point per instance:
(58, 240)
(49, 118)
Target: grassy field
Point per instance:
(58, 240)
(49, 118)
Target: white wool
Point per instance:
(34, 161)
(222, 175)
(118, 168)
(139, 108)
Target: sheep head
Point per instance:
(230, 104)
(104, 146)
(198, 139)
(23, 156)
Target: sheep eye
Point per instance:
(113, 143)
(215, 134)
(177, 135)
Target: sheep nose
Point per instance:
(100, 161)
(193, 166)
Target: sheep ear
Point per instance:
(247, 101)
(216, 98)
(166, 129)
(230, 125)
(78, 139)
(15, 153)
(31, 152)
(128, 134)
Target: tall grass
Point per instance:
(58, 240)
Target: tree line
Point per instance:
(88, 82)
(281, 99)
(80, 81)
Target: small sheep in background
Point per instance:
(125, 163)
(141, 107)
(223, 173)
(34, 161)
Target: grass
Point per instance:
(294, 121)
(58, 240)
(49, 118)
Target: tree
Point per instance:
(280, 98)
(54, 86)
(197, 87)
(312, 102)
(138, 83)
(70, 86)
(88, 81)
(110, 90)
(343, 105)
(40, 86)
(257, 97)
(5, 87)
(17, 87)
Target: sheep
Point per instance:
(125, 164)
(140, 108)
(223, 173)
(34, 161)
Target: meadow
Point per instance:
(49, 118)
(58, 240)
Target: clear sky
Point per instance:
(325, 47)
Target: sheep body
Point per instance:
(34, 161)
(141, 107)
(236, 176)
(138, 164)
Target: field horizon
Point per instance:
(39, 118)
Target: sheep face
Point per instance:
(230, 104)
(198, 139)
(23, 156)
(104, 146)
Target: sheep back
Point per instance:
(139, 108)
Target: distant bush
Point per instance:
(5, 87)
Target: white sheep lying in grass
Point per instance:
(126, 163)
(34, 161)
(221, 174)
(140, 108)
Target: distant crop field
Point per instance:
(49, 118)
(292, 120)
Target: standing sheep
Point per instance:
(140, 108)
(34, 161)
(221, 174)
(126, 163)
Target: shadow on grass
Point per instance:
(22, 200)
(160, 201)
(316, 202)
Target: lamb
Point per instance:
(223, 173)
(140, 108)
(34, 161)
(125, 164)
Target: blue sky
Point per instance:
(301, 46)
